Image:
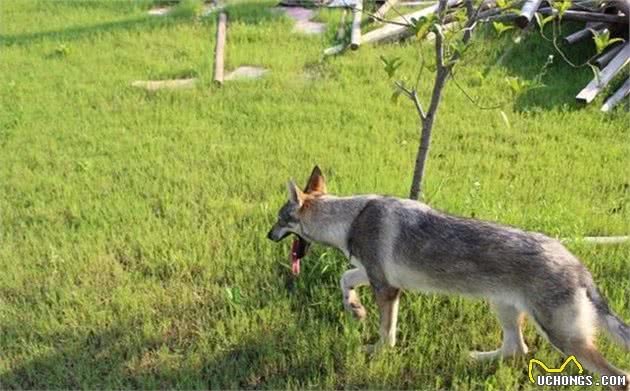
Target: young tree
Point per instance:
(452, 34)
(446, 57)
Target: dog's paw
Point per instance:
(356, 308)
(358, 311)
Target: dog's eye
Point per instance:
(283, 218)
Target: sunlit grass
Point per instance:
(133, 249)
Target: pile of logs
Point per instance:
(393, 30)
(597, 15)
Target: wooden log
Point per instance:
(341, 31)
(598, 239)
(219, 52)
(355, 37)
(583, 34)
(606, 239)
(622, 5)
(393, 32)
(380, 13)
(527, 13)
(584, 16)
(488, 13)
(331, 51)
(503, 18)
(617, 97)
(390, 32)
(605, 76)
(608, 55)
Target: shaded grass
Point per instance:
(125, 215)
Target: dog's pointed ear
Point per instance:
(295, 194)
(316, 183)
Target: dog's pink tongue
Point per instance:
(295, 261)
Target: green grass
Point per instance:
(132, 237)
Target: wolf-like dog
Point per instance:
(404, 244)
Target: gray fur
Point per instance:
(404, 244)
(465, 256)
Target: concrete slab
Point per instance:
(302, 17)
(246, 73)
(154, 85)
(161, 11)
(309, 27)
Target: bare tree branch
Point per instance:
(421, 113)
(408, 93)
(442, 73)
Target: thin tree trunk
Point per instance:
(425, 136)
(442, 73)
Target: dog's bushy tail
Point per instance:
(617, 328)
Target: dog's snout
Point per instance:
(277, 234)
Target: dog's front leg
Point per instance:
(387, 299)
(350, 280)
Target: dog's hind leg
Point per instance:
(570, 328)
(588, 355)
(511, 320)
(387, 299)
(350, 280)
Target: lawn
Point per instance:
(133, 223)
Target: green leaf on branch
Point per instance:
(460, 15)
(562, 6)
(519, 86)
(503, 4)
(500, 28)
(422, 25)
(391, 66)
(542, 21)
(602, 40)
